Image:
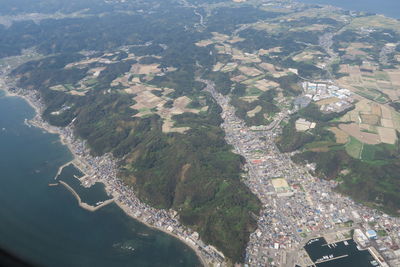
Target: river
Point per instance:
(44, 225)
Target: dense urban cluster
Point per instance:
(336, 99)
(308, 208)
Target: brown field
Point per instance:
(218, 66)
(370, 119)
(341, 136)
(58, 88)
(355, 131)
(386, 112)
(204, 43)
(354, 49)
(394, 77)
(327, 101)
(363, 82)
(265, 85)
(376, 109)
(145, 69)
(244, 57)
(147, 100)
(74, 92)
(253, 112)
(377, 21)
(269, 67)
(307, 55)
(319, 149)
(387, 123)
(394, 95)
(235, 40)
(96, 71)
(249, 98)
(168, 127)
(219, 37)
(137, 89)
(277, 49)
(387, 135)
(249, 71)
(229, 67)
(239, 78)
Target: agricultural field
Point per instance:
(375, 22)
(354, 148)
(371, 83)
(371, 123)
(341, 136)
(153, 100)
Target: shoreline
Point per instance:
(198, 253)
(38, 122)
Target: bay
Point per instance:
(44, 225)
(390, 8)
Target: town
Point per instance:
(297, 206)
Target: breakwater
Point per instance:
(83, 204)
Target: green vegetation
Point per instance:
(265, 101)
(194, 173)
(354, 148)
(381, 233)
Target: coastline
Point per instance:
(38, 122)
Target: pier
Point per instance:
(83, 204)
(331, 259)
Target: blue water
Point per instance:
(389, 8)
(45, 226)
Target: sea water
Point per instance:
(389, 8)
(44, 225)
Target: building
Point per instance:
(371, 234)
(360, 238)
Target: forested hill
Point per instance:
(173, 153)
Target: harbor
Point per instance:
(345, 253)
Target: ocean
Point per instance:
(389, 8)
(44, 225)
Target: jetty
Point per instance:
(83, 204)
(61, 168)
